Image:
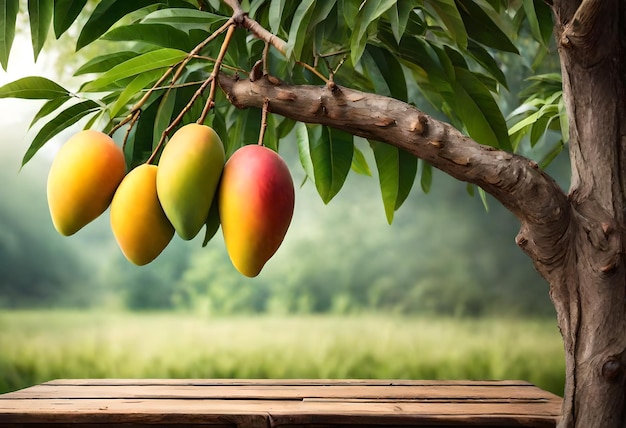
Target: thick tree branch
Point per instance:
(515, 181)
(254, 27)
(586, 27)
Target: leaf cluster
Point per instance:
(447, 53)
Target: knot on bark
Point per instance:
(611, 369)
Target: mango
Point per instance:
(189, 171)
(82, 179)
(138, 222)
(255, 201)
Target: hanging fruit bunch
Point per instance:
(185, 184)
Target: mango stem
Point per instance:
(266, 104)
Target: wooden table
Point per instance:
(274, 403)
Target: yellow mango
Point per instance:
(139, 224)
(256, 203)
(82, 179)
(189, 172)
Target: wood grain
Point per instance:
(267, 403)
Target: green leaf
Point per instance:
(243, 128)
(332, 157)
(347, 10)
(285, 127)
(141, 140)
(391, 71)
(407, 173)
(105, 62)
(298, 32)
(161, 35)
(388, 176)
(564, 120)
(65, 119)
(481, 116)
(482, 28)
(8, 17)
(34, 88)
(40, 16)
(49, 107)
(132, 90)
(276, 14)
(359, 163)
(539, 18)
(483, 198)
(369, 13)
(93, 119)
(270, 138)
(375, 75)
(304, 148)
(212, 223)
(185, 19)
(107, 13)
(484, 58)
(553, 153)
(65, 13)
(538, 129)
(426, 180)
(447, 12)
(321, 11)
(164, 113)
(422, 59)
(399, 17)
(396, 174)
(140, 64)
(527, 121)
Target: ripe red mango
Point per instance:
(189, 172)
(82, 179)
(139, 224)
(256, 203)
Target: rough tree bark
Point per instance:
(576, 241)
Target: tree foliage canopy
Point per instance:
(158, 63)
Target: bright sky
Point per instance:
(21, 61)
(17, 114)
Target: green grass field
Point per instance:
(36, 346)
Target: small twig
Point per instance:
(182, 85)
(340, 64)
(331, 76)
(312, 70)
(213, 77)
(227, 66)
(210, 103)
(137, 107)
(266, 104)
(157, 84)
(335, 53)
(130, 127)
(122, 123)
(199, 47)
(243, 20)
(266, 51)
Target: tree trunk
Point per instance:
(590, 292)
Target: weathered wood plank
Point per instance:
(273, 382)
(266, 403)
(286, 392)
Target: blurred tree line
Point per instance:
(340, 258)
